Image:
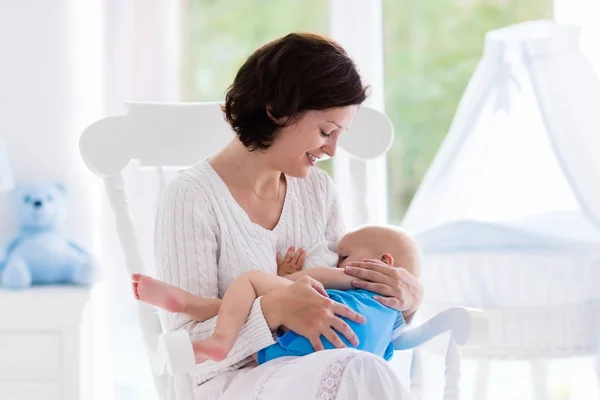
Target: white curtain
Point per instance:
(362, 184)
(141, 44)
(570, 108)
(524, 139)
(585, 13)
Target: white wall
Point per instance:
(41, 107)
(142, 64)
(585, 13)
(51, 80)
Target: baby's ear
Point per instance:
(387, 258)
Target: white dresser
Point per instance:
(40, 343)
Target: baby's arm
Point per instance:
(331, 278)
(290, 267)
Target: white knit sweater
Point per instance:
(204, 240)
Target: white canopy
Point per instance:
(523, 150)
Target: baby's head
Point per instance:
(385, 243)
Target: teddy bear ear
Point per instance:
(17, 189)
(61, 188)
(17, 193)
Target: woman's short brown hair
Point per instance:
(290, 75)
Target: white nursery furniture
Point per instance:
(508, 215)
(40, 343)
(163, 136)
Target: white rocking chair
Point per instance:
(177, 135)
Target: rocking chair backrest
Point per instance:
(178, 135)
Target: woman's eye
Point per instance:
(325, 135)
(343, 258)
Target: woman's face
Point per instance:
(312, 137)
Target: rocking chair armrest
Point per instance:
(175, 349)
(468, 326)
(169, 353)
(174, 357)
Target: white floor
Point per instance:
(131, 382)
(568, 379)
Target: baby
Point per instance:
(388, 245)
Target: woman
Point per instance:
(260, 195)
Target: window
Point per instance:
(220, 35)
(431, 50)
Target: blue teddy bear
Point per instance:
(41, 254)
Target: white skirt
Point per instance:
(325, 375)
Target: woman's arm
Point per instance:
(304, 308)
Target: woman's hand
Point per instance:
(397, 287)
(305, 308)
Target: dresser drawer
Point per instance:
(31, 355)
(28, 390)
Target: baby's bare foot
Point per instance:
(159, 294)
(210, 348)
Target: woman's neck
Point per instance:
(254, 168)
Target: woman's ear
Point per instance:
(277, 119)
(387, 258)
(280, 121)
(270, 114)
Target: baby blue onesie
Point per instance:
(375, 336)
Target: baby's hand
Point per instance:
(292, 262)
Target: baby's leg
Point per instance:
(160, 294)
(173, 299)
(234, 311)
